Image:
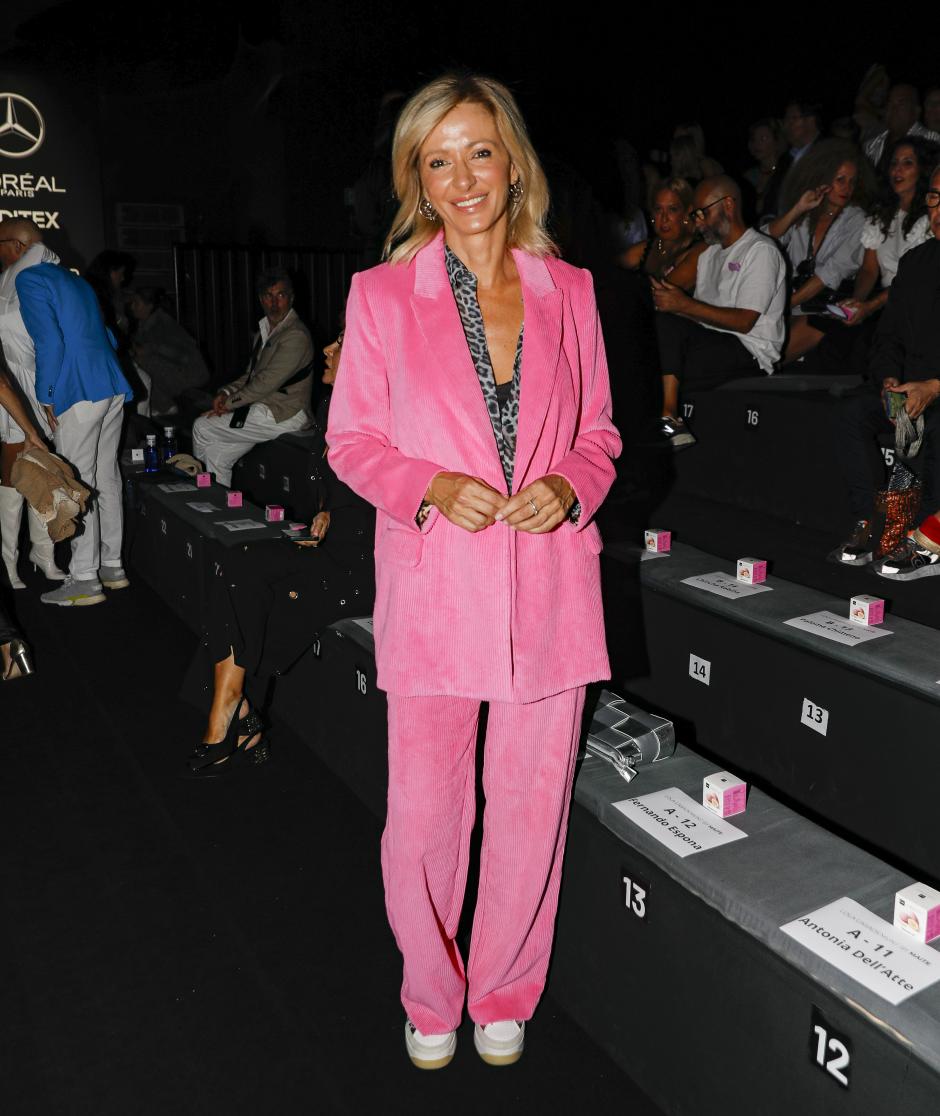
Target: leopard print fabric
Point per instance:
(504, 419)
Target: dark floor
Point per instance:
(178, 947)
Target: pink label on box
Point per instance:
(274, 513)
(234, 499)
(735, 800)
(203, 480)
(876, 612)
(933, 923)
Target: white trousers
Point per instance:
(218, 446)
(87, 436)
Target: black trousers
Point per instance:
(859, 421)
(8, 630)
(701, 358)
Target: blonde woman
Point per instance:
(474, 412)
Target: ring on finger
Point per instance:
(534, 506)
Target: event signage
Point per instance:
(724, 585)
(815, 717)
(829, 1051)
(635, 892)
(700, 669)
(50, 168)
(837, 628)
(677, 821)
(867, 949)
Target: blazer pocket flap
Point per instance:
(592, 538)
(402, 548)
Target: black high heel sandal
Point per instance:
(21, 660)
(210, 761)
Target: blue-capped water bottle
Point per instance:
(151, 457)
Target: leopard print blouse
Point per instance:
(504, 418)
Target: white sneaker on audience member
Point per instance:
(676, 431)
(75, 593)
(429, 1052)
(113, 577)
(499, 1044)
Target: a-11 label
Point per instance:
(815, 717)
(700, 669)
(829, 1051)
(634, 893)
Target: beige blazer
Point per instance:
(285, 351)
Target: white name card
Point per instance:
(867, 949)
(724, 585)
(837, 628)
(677, 821)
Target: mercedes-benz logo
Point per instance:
(22, 128)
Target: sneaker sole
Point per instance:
(436, 1061)
(926, 571)
(853, 563)
(80, 602)
(122, 584)
(680, 441)
(492, 1055)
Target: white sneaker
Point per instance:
(499, 1044)
(429, 1052)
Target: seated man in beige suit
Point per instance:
(273, 396)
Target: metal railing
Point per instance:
(217, 304)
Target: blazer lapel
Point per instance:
(541, 344)
(437, 316)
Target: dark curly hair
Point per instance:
(886, 203)
(817, 167)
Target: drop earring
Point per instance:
(427, 211)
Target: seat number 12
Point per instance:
(829, 1053)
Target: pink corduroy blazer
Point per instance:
(497, 615)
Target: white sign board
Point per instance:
(867, 949)
(240, 524)
(724, 585)
(679, 822)
(838, 628)
(204, 508)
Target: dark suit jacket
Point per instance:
(907, 344)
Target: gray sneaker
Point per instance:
(75, 593)
(113, 577)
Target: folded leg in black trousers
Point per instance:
(695, 358)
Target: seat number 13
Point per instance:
(635, 896)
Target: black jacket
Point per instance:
(907, 343)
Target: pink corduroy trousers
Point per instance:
(527, 773)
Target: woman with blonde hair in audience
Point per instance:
(674, 249)
(820, 226)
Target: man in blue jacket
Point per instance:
(81, 390)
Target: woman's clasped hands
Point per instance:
(474, 505)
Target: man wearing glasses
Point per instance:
(905, 363)
(735, 322)
(80, 391)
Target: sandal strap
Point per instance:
(207, 755)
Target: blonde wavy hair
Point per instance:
(422, 113)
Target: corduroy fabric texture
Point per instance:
(528, 767)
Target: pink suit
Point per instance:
(499, 616)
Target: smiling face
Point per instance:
(669, 215)
(903, 171)
(842, 186)
(466, 172)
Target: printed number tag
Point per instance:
(815, 717)
(362, 682)
(832, 1054)
(285, 484)
(189, 550)
(688, 410)
(753, 417)
(217, 569)
(888, 454)
(315, 648)
(700, 669)
(163, 526)
(635, 892)
(261, 471)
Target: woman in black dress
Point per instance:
(272, 599)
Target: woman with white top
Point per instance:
(898, 223)
(822, 214)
